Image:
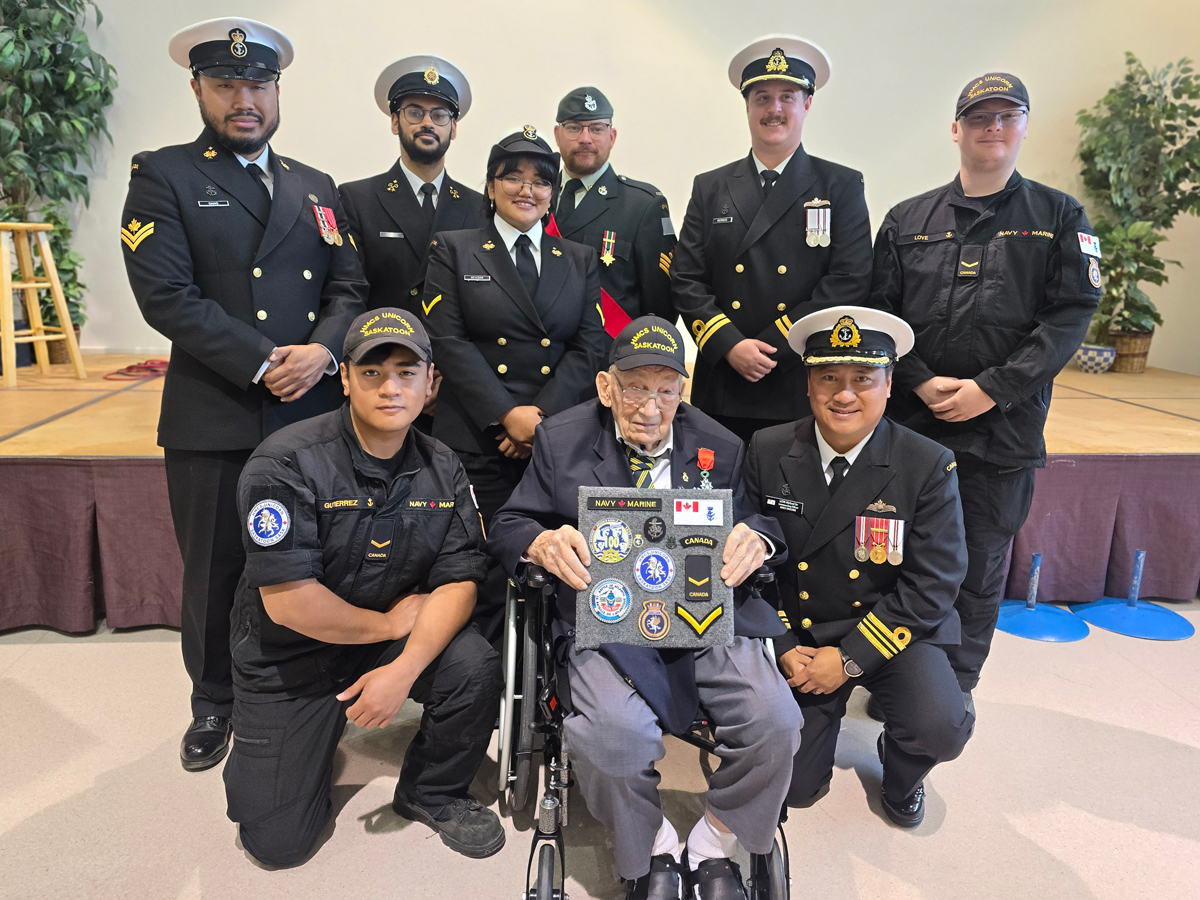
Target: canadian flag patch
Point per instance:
(699, 512)
(1089, 244)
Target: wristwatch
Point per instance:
(849, 666)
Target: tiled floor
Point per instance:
(1080, 784)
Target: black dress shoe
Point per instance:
(719, 879)
(910, 811)
(667, 881)
(465, 826)
(875, 709)
(205, 743)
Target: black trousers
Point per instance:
(278, 777)
(493, 479)
(926, 723)
(745, 427)
(995, 505)
(202, 487)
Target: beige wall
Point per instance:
(897, 69)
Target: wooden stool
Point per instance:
(37, 333)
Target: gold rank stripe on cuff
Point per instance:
(711, 327)
(133, 235)
(886, 641)
(784, 617)
(784, 324)
(664, 262)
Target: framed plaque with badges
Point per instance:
(656, 568)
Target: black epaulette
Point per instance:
(640, 185)
(136, 163)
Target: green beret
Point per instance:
(584, 104)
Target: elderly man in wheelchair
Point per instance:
(616, 703)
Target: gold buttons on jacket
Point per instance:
(502, 341)
(806, 623)
(502, 368)
(413, 291)
(312, 317)
(262, 314)
(545, 342)
(307, 275)
(545, 370)
(803, 567)
(856, 604)
(853, 574)
(257, 272)
(804, 595)
(739, 268)
(781, 306)
(736, 304)
(782, 270)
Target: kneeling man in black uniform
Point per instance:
(872, 514)
(622, 698)
(364, 549)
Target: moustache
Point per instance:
(774, 120)
(427, 131)
(244, 114)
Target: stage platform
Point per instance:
(87, 527)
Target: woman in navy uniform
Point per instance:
(872, 515)
(515, 320)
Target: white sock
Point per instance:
(666, 841)
(708, 842)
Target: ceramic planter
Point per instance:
(1095, 359)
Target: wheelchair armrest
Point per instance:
(536, 577)
(764, 576)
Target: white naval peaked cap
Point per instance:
(864, 320)
(795, 49)
(433, 70)
(254, 32)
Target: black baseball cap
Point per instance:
(648, 341)
(521, 143)
(993, 84)
(584, 104)
(386, 326)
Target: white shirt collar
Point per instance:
(779, 168)
(587, 180)
(263, 161)
(509, 235)
(828, 453)
(666, 445)
(415, 181)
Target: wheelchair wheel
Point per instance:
(526, 708)
(505, 724)
(772, 875)
(545, 876)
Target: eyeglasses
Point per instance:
(637, 397)
(415, 115)
(596, 129)
(1008, 118)
(514, 184)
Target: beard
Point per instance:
(574, 164)
(238, 140)
(419, 153)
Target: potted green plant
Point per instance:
(1140, 149)
(54, 90)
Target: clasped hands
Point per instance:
(564, 553)
(294, 369)
(813, 670)
(954, 399)
(516, 440)
(382, 691)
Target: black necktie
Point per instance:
(840, 465)
(526, 267)
(769, 177)
(566, 200)
(259, 177)
(427, 202)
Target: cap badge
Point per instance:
(238, 47)
(210, 153)
(589, 102)
(777, 62)
(530, 133)
(845, 333)
(431, 76)
(602, 191)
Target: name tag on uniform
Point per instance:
(208, 204)
(723, 220)
(391, 234)
(477, 278)
(783, 504)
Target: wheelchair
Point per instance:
(530, 723)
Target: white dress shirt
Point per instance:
(509, 235)
(761, 168)
(264, 163)
(828, 454)
(415, 181)
(588, 182)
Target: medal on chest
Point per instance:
(705, 460)
(817, 215)
(606, 248)
(328, 225)
(879, 540)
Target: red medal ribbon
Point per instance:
(705, 459)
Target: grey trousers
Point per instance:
(615, 739)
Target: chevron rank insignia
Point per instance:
(135, 232)
(431, 304)
(697, 625)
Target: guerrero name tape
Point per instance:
(656, 568)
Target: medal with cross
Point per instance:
(705, 459)
(606, 250)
